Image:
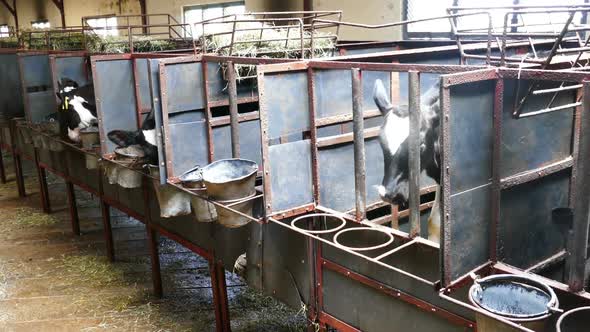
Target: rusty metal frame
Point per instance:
(208, 104)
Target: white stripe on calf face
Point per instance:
(150, 136)
(67, 89)
(395, 131)
(86, 118)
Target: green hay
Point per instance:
(96, 271)
(28, 217)
(9, 42)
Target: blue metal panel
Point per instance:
(143, 83)
(11, 100)
(526, 233)
(41, 104)
(333, 91)
(115, 97)
(471, 135)
(336, 166)
(286, 103)
(531, 142)
(250, 141)
(36, 70)
(184, 85)
(188, 141)
(218, 86)
(470, 229)
(73, 68)
(290, 175)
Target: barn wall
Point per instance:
(367, 11)
(174, 7)
(31, 10)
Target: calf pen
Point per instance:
(306, 128)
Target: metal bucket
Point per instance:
(89, 137)
(111, 171)
(231, 182)
(203, 210)
(130, 165)
(574, 320)
(92, 158)
(173, 202)
(519, 299)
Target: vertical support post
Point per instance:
(496, 162)
(105, 210)
(218, 286)
(71, 193)
(414, 152)
(43, 189)
(2, 170)
(358, 127)
(233, 109)
(577, 273)
(155, 259)
(152, 234)
(18, 171)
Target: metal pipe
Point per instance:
(414, 152)
(577, 274)
(359, 145)
(233, 109)
(561, 88)
(71, 193)
(549, 110)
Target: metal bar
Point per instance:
(2, 170)
(43, 190)
(222, 290)
(549, 110)
(396, 293)
(233, 109)
(445, 199)
(573, 50)
(577, 274)
(313, 135)
(561, 88)
(108, 232)
(393, 251)
(549, 262)
(496, 166)
(346, 138)
(208, 116)
(414, 152)
(71, 193)
(537, 173)
(18, 171)
(358, 125)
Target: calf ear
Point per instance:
(381, 98)
(122, 138)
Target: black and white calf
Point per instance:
(77, 108)
(145, 138)
(394, 143)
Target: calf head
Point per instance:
(393, 138)
(145, 138)
(77, 108)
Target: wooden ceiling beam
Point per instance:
(60, 6)
(10, 9)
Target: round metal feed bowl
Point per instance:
(230, 179)
(336, 223)
(574, 320)
(353, 239)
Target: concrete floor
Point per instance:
(51, 280)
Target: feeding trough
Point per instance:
(231, 182)
(326, 223)
(89, 137)
(519, 299)
(172, 202)
(574, 320)
(130, 161)
(193, 180)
